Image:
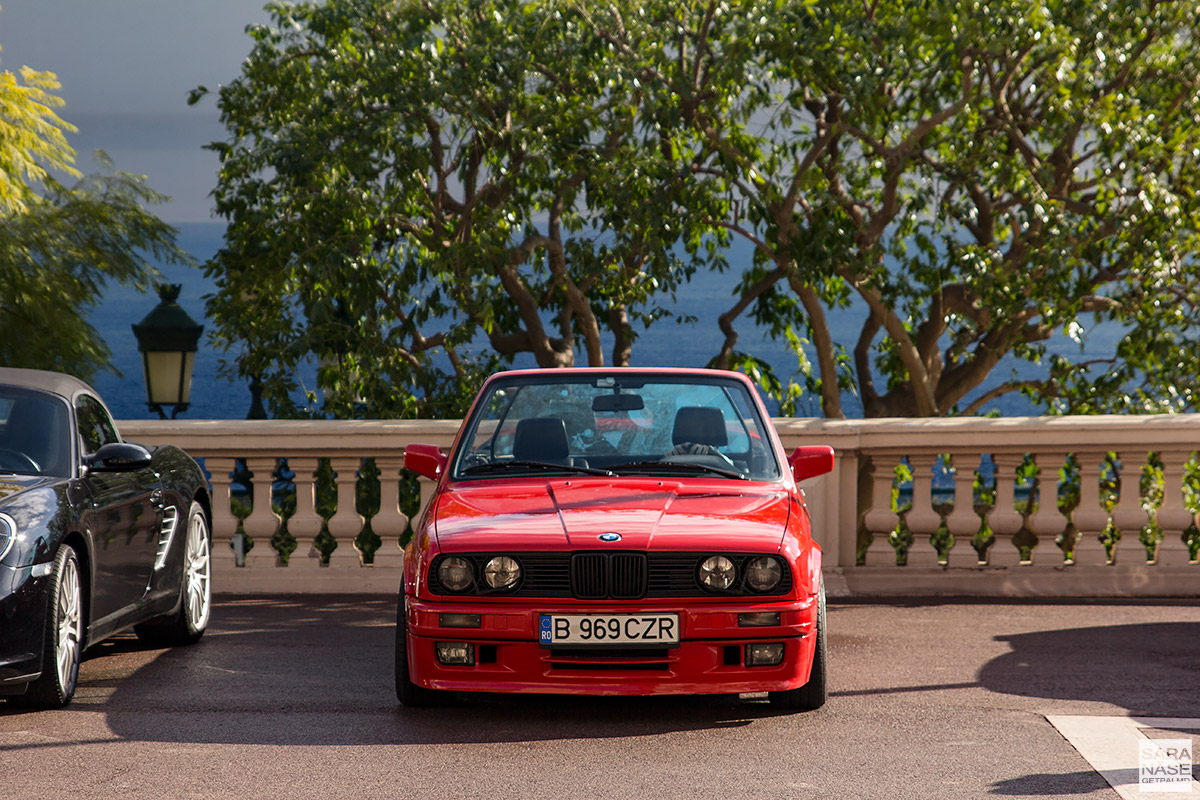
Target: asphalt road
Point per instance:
(292, 698)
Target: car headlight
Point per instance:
(8, 534)
(717, 573)
(501, 572)
(456, 574)
(763, 573)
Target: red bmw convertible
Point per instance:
(614, 531)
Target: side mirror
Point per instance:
(427, 460)
(119, 457)
(811, 461)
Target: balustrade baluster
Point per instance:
(880, 520)
(1173, 515)
(305, 524)
(922, 520)
(963, 521)
(1004, 519)
(263, 522)
(862, 504)
(346, 523)
(390, 523)
(1128, 515)
(1047, 521)
(1089, 516)
(224, 521)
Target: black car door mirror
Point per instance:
(119, 457)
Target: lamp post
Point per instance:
(167, 339)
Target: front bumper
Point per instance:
(710, 657)
(22, 626)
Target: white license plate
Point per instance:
(606, 630)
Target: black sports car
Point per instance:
(96, 535)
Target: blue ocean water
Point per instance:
(667, 343)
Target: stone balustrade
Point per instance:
(1070, 506)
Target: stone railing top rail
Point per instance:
(297, 437)
(1004, 434)
(897, 435)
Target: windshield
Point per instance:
(620, 424)
(35, 433)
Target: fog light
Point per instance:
(768, 654)
(458, 620)
(758, 619)
(460, 653)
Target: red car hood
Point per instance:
(648, 514)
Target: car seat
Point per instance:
(541, 439)
(699, 425)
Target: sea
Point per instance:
(667, 343)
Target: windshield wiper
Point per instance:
(501, 466)
(668, 466)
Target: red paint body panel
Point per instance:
(562, 513)
(649, 513)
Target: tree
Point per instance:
(405, 181)
(60, 245)
(409, 180)
(979, 176)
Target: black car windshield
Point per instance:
(35, 433)
(627, 424)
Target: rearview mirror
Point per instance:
(618, 402)
(811, 461)
(119, 457)
(425, 459)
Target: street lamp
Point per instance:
(167, 339)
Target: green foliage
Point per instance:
(401, 178)
(32, 137)
(61, 245)
(981, 176)
(57, 256)
(404, 179)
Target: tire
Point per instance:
(407, 692)
(62, 646)
(188, 624)
(813, 694)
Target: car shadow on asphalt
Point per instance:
(1147, 669)
(1051, 784)
(294, 671)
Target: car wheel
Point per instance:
(407, 692)
(62, 646)
(814, 693)
(188, 624)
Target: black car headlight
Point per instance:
(456, 574)
(763, 573)
(8, 534)
(501, 572)
(717, 573)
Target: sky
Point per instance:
(126, 67)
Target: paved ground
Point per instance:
(292, 698)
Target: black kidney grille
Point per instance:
(589, 576)
(627, 579)
(599, 576)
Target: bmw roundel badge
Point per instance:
(610, 537)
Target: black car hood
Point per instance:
(12, 485)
